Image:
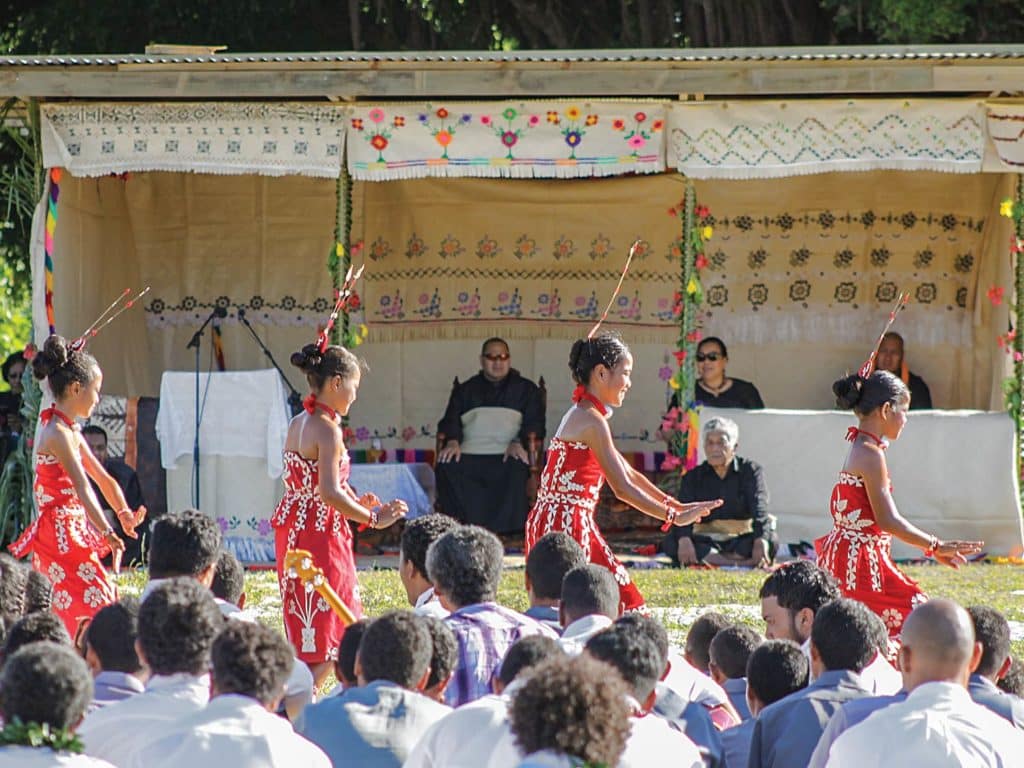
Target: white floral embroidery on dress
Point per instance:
(61, 599)
(55, 573)
(94, 597)
(87, 572)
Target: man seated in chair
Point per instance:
(740, 532)
(483, 463)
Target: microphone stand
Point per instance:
(294, 398)
(195, 343)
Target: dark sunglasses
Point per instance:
(498, 358)
(712, 356)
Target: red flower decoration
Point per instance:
(679, 355)
(619, 124)
(673, 212)
(29, 352)
(657, 125)
(357, 123)
(702, 211)
(701, 261)
(353, 303)
(995, 295)
(693, 336)
(640, 116)
(379, 143)
(442, 113)
(399, 121)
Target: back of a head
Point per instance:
(1013, 681)
(844, 634)
(993, 632)
(38, 592)
(45, 683)
(34, 628)
(396, 647)
(698, 639)
(633, 654)
(348, 649)
(183, 544)
(251, 660)
(800, 584)
(550, 559)
(589, 590)
(111, 636)
(527, 653)
(731, 648)
(776, 669)
(606, 349)
(651, 627)
(940, 636)
(228, 578)
(419, 534)
(444, 654)
(465, 565)
(572, 707)
(13, 578)
(178, 621)
(863, 396)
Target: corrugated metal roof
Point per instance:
(668, 56)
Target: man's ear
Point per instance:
(205, 576)
(716, 673)
(976, 657)
(142, 656)
(1004, 668)
(241, 601)
(357, 668)
(422, 684)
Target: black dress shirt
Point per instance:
(742, 490)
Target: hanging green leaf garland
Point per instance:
(1012, 342)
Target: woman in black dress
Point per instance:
(714, 388)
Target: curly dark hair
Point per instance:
(33, 628)
(177, 623)
(321, 366)
(776, 669)
(396, 647)
(348, 649)
(844, 634)
(251, 660)
(651, 627)
(465, 565)
(993, 632)
(553, 556)
(606, 349)
(590, 589)
(444, 650)
(1013, 681)
(800, 584)
(572, 707)
(45, 683)
(698, 639)
(38, 592)
(865, 395)
(731, 648)
(527, 653)
(111, 635)
(61, 366)
(183, 543)
(419, 534)
(13, 579)
(228, 578)
(632, 654)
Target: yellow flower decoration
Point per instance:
(363, 330)
(1006, 208)
(673, 383)
(691, 287)
(339, 250)
(573, 113)
(707, 232)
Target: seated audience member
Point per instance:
(465, 568)
(178, 621)
(891, 358)
(417, 537)
(34, 628)
(229, 580)
(553, 556)
(483, 467)
(740, 532)
(13, 580)
(186, 543)
(568, 712)
(96, 438)
(1013, 681)
(714, 388)
(790, 597)
(698, 640)
(937, 724)
(478, 734)
(628, 650)
(590, 602)
(10, 402)
(38, 592)
(238, 728)
(443, 658)
(730, 649)
(110, 653)
(993, 632)
(775, 669)
(379, 722)
(44, 686)
(842, 643)
(348, 650)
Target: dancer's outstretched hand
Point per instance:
(391, 513)
(131, 520)
(691, 512)
(954, 553)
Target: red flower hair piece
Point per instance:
(345, 298)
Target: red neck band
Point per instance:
(311, 404)
(580, 394)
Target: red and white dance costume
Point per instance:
(569, 489)
(859, 553)
(63, 543)
(303, 521)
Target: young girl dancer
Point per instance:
(582, 455)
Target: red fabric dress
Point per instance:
(303, 521)
(859, 554)
(66, 547)
(566, 500)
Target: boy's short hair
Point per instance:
(550, 559)
(776, 669)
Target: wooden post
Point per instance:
(1018, 323)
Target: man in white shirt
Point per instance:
(177, 624)
(238, 728)
(937, 725)
(628, 650)
(45, 685)
(590, 603)
(417, 537)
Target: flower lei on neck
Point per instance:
(36, 736)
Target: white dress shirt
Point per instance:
(575, 636)
(652, 741)
(691, 684)
(474, 735)
(17, 756)
(234, 731)
(115, 731)
(881, 678)
(936, 726)
(427, 604)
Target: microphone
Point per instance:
(219, 311)
(240, 311)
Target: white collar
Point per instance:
(425, 597)
(587, 625)
(177, 681)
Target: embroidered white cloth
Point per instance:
(1006, 129)
(572, 139)
(765, 139)
(222, 138)
(245, 414)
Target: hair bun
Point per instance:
(52, 356)
(848, 391)
(308, 359)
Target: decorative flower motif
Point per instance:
(591, 120)
(744, 222)
(553, 118)
(758, 294)
(845, 292)
(886, 292)
(357, 123)
(757, 259)
(61, 599)
(573, 138)
(443, 137)
(924, 258)
(717, 295)
(892, 617)
(800, 290)
(442, 113)
(362, 433)
(600, 246)
(466, 119)
(379, 249)
(664, 373)
(451, 248)
(526, 247)
(564, 248)
(509, 114)
(415, 248)
(908, 220)
(55, 573)
(657, 125)
(867, 218)
(1006, 208)
(618, 124)
(670, 462)
(701, 261)
(573, 113)
(487, 248)
(640, 116)
(398, 121)
(702, 212)
(87, 571)
(378, 142)
(93, 597)
(826, 219)
(926, 293)
(376, 115)
(880, 257)
(636, 141)
(800, 257)
(844, 258)
(533, 121)
(707, 232)
(263, 527)
(785, 222)
(224, 525)
(963, 263)
(948, 222)
(509, 138)
(486, 121)
(680, 356)
(995, 295)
